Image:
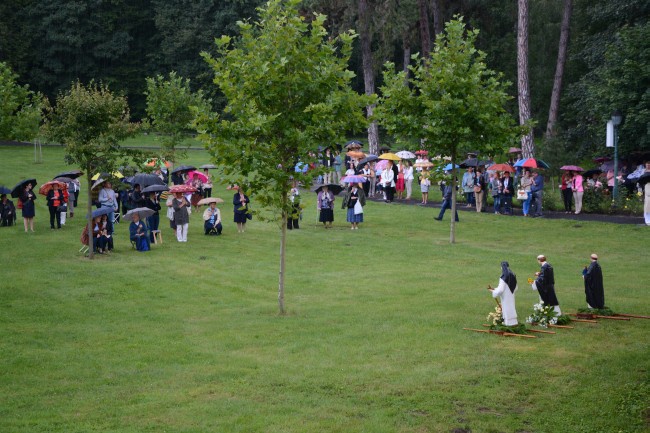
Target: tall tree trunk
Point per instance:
(437, 18)
(89, 210)
(454, 182)
(527, 142)
(425, 33)
(559, 69)
(406, 45)
(368, 73)
(283, 249)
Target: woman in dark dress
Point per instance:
(55, 199)
(240, 203)
(29, 210)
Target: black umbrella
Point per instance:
(335, 188)
(145, 180)
(155, 188)
(4, 190)
(101, 211)
(20, 187)
(183, 168)
(208, 166)
(73, 174)
(591, 172)
(384, 149)
(367, 159)
(473, 162)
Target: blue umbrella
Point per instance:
(4, 190)
(101, 211)
(531, 163)
(448, 167)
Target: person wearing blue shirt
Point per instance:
(537, 191)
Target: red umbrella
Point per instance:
(421, 152)
(501, 167)
(571, 168)
(182, 189)
(46, 187)
(514, 150)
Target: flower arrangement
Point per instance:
(495, 318)
(543, 315)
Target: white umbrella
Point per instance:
(405, 154)
(143, 212)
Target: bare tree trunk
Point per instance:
(89, 210)
(437, 18)
(283, 249)
(527, 142)
(452, 231)
(559, 69)
(368, 73)
(425, 33)
(406, 45)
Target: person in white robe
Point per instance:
(505, 291)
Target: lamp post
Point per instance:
(617, 118)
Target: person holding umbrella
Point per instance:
(325, 205)
(7, 211)
(212, 218)
(108, 200)
(55, 199)
(578, 190)
(138, 233)
(354, 201)
(567, 192)
(27, 198)
(153, 221)
(181, 216)
(388, 181)
(240, 203)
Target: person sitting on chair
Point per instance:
(212, 218)
(138, 234)
(7, 211)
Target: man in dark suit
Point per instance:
(508, 189)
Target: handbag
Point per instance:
(358, 209)
(477, 188)
(522, 194)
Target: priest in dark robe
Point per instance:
(545, 284)
(594, 289)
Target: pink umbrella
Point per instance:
(197, 174)
(571, 168)
(381, 165)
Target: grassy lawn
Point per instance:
(187, 337)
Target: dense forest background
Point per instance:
(51, 43)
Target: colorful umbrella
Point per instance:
(210, 200)
(356, 154)
(197, 174)
(48, 186)
(115, 174)
(405, 154)
(448, 167)
(421, 152)
(154, 163)
(182, 189)
(531, 163)
(501, 167)
(353, 144)
(381, 165)
(571, 168)
(353, 178)
(514, 150)
(389, 156)
(423, 164)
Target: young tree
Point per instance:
(91, 121)
(169, 107)
(453, 102)
(20, 108)
(523, 87)
(287, 90)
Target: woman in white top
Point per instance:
(388, 181)
(408, 179)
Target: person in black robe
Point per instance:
(594, 289)
(7, 211)
(545, 284)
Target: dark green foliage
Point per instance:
(598, 311)
(519, 328)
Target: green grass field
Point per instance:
(187, 337)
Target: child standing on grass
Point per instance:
(425, 183)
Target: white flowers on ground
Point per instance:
(542, 315)
(495, 317)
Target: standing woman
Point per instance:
(408, 179)
(325, 206)
(578, 191)
(153, 203)
(525, 183)
(354, 201)
(388, 181)
(207, 185)
(479, 189)
(567, 192)
(181, 216)
(29, 210)
(400, 183)
(240, 203)
(497, 189)
(54, 200)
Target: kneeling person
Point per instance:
(212, 218)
